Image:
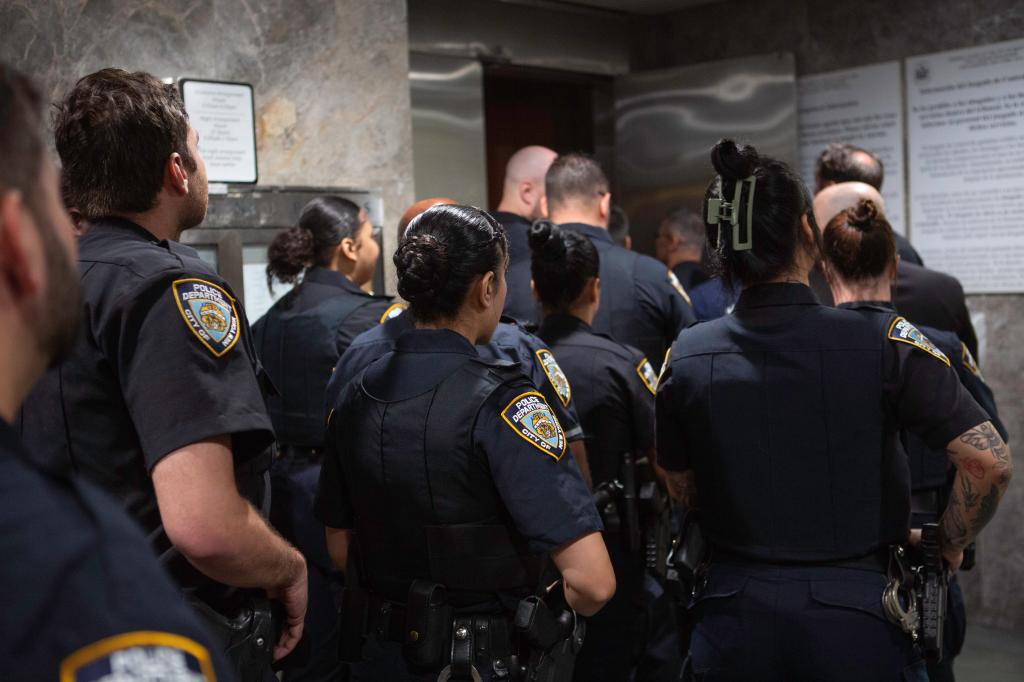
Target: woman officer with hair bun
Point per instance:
(446, 477)
(331, 254)
(614, 386)
(779, 424)
(860, 262)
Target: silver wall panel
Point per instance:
(666, 122)
(550, 36)
(448, 143)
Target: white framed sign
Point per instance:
(862, 107)
(223, 115)
(965, 126)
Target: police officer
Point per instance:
(521, 204)
(446, 472)
(510, 341)
(642, 302)
(860, 263)
(333, 252)
(82, 594)
(159, 402)
(780, 423)
(615, 386)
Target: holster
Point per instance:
(687, 561)
(247, 638)
(554, 635)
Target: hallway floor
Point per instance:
(991, 655)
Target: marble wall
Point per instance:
(330, 76)
(834, 34)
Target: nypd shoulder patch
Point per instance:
(530, 416)
(648, 376)
(674, 281)
(140, 655)
(209, 311)
(664, 363)
(394, 310)
(969, 362)
(555, 375)
(902, 330)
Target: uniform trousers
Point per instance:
(293, 486)
(773, 623)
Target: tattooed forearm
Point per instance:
(984, 467)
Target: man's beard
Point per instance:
(195, 209)
(60, 311)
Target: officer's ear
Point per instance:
(605, 206)
(347, 249)
(592, 291)
(175, 175)
(22, 265)
(894, 268)
(544, 206)
(486, 289)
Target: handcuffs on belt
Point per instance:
(900, 590)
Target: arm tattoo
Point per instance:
(985, 437)
(683, 487)
(984, 468)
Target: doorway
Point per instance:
(567, 112)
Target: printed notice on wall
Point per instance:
(965, 121)
(222, 114)
(862, 107)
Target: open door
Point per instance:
(666, 122)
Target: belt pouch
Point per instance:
(428, 620)
(354, 604)
(535, 621)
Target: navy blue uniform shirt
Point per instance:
(614, 392)
(510, 342)
(642, 303)
(541, 489)
(300, 339)
(922, 394)
(83, 597)
(164, 359)
(519, 303)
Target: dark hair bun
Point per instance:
(422, 263)
(863, 216)
(732, 161)
(546, 240)
(291, 252)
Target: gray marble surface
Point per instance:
(330, 76)
(834, 34)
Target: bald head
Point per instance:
(832, 200)
(524, 181)
(417, 208)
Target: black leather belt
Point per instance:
(877, 560)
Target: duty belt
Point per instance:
(877, 560)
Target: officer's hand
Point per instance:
(953, 559)
(293, 595)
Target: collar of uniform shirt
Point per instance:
(434, 341)
(869, 305)
(592, 231)
(329, 277)
(560, 324)
(776, 293)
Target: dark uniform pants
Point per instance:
(293, 485)
(785, 623)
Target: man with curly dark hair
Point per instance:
(160, 401)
